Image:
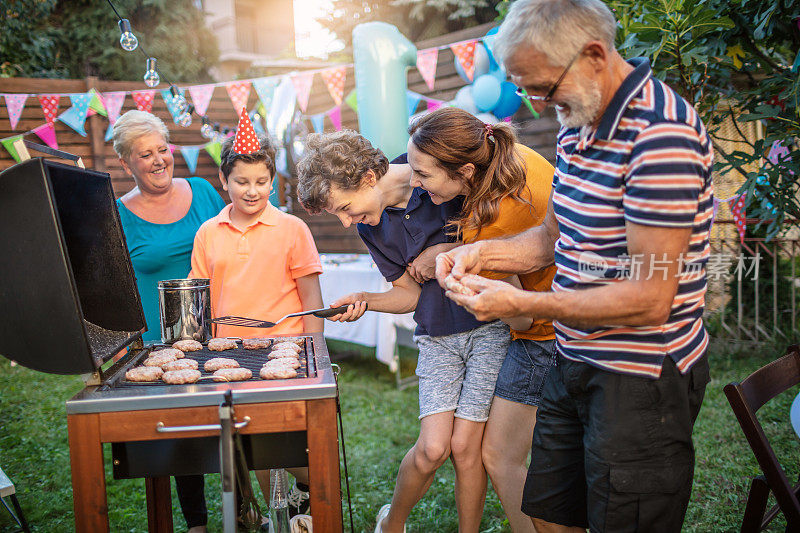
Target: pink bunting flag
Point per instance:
(465, 53)
(302, 87)
(334, 81)
(201, 97)
(113, 103)
(15, 103)
(47, 133)
(172, 148)
(239, 92)
(739, 216)
(433, 105)
(144, 100)
(335, 115)
(49, 104)
(426, 64)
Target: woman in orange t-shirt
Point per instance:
(506, 188)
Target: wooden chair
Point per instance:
(7, 490)
(746, 398)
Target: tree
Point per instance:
(416, 19)
(78, 38)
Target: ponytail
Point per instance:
(454, 138)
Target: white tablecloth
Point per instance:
(343, 274)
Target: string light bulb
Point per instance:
(185, 119)
(151, 77)
(207, 130)
(127, 40)
(181, 105)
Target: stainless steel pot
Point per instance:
(185, 306)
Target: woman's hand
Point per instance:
(423, 267)
(357, 306)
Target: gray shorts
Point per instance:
(458, 372)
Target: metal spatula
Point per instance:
(253, 323)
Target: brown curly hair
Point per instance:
(338, 159)
(455, 137)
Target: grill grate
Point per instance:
(250, 359)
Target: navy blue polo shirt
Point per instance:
(400, 236)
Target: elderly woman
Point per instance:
(160, 217)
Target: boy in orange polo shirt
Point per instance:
(262, 262)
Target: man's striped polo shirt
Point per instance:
(649, 162)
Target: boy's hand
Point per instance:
(357, 306)
(458, 262)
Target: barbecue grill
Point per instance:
(68, 304)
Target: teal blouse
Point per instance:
(164, 251)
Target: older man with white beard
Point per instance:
(627, 227)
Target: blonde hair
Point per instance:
(132, 125)
(455, 137)
(340, 158)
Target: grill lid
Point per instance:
(68, 298)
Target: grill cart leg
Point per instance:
(159, 504)
(323, 466)
(226, 465)
(88, 474)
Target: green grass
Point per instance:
(380, 426)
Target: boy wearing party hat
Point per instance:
(262, 262)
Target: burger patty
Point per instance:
(160, 359)
(144, 373)
(287, 346)
(188, 345)
(256, 344)
(181, 377)
(221, 344)
(180, 364)
(277, 372)
(234, 374)
(214, 364)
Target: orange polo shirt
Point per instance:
(253, 272)
(515, 217)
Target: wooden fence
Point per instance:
(328, 232)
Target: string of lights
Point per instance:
(152, 78)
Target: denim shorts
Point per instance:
(523, 372)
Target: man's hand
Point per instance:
(457, 262)
(493, 298)
(423, 267)
(357, 306)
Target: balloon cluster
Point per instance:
(490, 97)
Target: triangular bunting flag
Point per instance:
(318, 122)
(739, 216)
(15, 103)
(97, 102)
(172, 103)
(246, 141)
(239, 92)
(144, 100)
(426, 64)
(172, 148)
(335, 115)
(302, 86)
(47, 133)
(190, 154)
(201, 97)
(465, 53)
(80, 101)
(72, 118)
(113, 103)
(214, 149)
(257, 126)
(109, 132)
(8, 144)
(49, 104)
(265, 89)
(352, 100)
(412, 99)
(334, 81)
(433, 105)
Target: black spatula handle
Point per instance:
(325, 313)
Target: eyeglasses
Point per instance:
(549, 96)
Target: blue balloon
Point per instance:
(486, 92)
(509, 101)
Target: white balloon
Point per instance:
(487, 118)
(464, 100)
(481, 61)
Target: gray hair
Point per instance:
(557, 28)
(132, 125)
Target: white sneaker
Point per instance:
(383, 513)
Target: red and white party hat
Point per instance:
(246, 141)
